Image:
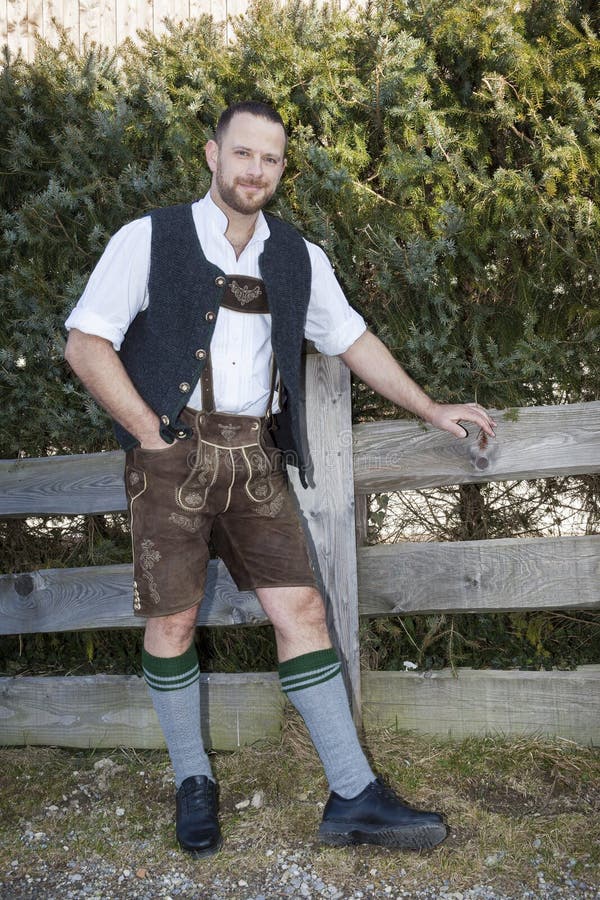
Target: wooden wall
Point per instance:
(106, 22)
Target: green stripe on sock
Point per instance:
(170, 666)
(314, 681)
(293, 682)
(308, 662)
(174, 683)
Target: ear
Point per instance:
(212, 154)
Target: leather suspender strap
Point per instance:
(208, 394)
(206, 382)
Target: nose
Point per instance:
(255, 166)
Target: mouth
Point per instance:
(251, 185)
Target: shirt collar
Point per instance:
(219, 222)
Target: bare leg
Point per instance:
(168, 636)
(298, 617)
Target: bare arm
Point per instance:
(94, 361)
(370, 359)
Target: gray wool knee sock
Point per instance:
(313, 683)
(174, 687)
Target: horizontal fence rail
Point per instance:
(396, 579)
(239, 710)
(534, 442)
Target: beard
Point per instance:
(233, 195)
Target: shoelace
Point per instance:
(198, 798)
(385, 791)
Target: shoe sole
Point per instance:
(422, 838)
(200, 854)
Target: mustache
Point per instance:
(253, 182)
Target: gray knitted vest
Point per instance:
(164, 350)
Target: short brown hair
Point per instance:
(255, 108)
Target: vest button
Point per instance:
(200, 354)
(165, 420)
(220, 281)
(184, 387)
(210, 316)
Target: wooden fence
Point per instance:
(350, 463)
(106, 22)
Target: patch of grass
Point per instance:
(515, 808)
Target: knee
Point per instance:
(170, 635)
(312, 610)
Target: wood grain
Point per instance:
(328, 506)
(480, 576)
(478, 702)
(537, 442)
(63, 485)
(101, 597)
(116, 711)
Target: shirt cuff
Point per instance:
(91, 323)
(343, 337)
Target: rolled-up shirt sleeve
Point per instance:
(118, 286)
(331, 323)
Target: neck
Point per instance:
(240, 226)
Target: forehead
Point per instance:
(255, 133)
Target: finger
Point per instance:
(457, 429)
(484, 413)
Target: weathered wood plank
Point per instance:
(113, 710)
(480, 576)
(564, 704)
(90, 16)
(101, 597)
(133, 16)
(398, 579)
(328, 506)
(63, 485)
(174, 10)
(361, 519)
(34, 27)
(16, 32)
(540, 442)
(116, 711)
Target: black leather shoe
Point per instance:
(378, 816)
(197, 826)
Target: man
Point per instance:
(189, 333)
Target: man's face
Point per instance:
(248, 163)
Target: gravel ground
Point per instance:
(290, 876)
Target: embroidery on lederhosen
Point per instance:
(245, 294)
(204, 465)
(228, 432)
(135, 483)
(272, 509)
(259, 486)
(188, 524)
(148, 559)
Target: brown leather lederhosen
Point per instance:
(227, 484)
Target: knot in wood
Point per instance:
(24, 585)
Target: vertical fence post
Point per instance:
(328, 507)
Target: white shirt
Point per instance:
(241, 344)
